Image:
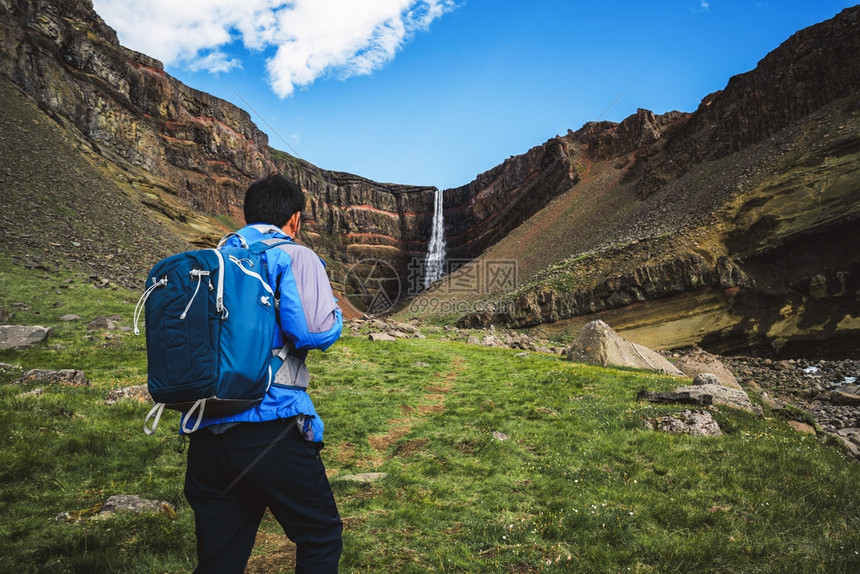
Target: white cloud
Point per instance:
(310, 38)
(214, 62)
(704, 6)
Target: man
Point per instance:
(268, 456)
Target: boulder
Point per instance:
(405, 327)
(118, 503)
(598, 344)
(801, 427)
(721, 395)
(771, 403)
(381, 337)
(850, 435)
(705, 379)
(845, 398)
(687, 422)
(683, 398)
(61, 376)
(850, 438)
(22, 336)
(135, 505)
(708, 394)
(136, 392)
(697, 362)
(100, 324)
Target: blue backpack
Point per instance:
(210, 321)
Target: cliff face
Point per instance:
(353, 220)
(640, 132)
(741, 220)
(65, 57)
(814, 67)
(206, 151)
(477, 215)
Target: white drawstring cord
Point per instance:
(138, 309)
(199, 274)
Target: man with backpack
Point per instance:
(268, 456)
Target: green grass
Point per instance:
(228, 222)
(580, 484)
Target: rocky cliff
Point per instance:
(741, 219)
(812, 68)
(477, 215)
(71, 63)
(205, 151)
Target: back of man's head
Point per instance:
(273, 200)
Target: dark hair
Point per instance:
(273, 200)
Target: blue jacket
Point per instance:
(308, 315)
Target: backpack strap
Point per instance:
(265, 244)
(227, 237)
(245, 242)
(156, 411)
(262, 247)
(199, 406)
(288, 354)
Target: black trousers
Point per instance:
(289, 479)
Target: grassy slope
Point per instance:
(580, 485)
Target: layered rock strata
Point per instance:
(744, 234)
(206, 151)
(70, 62)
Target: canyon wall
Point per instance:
(744, 229)
(206, 151)
(815, 66)
(70, 62)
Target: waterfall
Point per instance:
(435, 264)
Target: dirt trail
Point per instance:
(433, 402)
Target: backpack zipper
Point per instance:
(219, 294)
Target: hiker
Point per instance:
(268, 456)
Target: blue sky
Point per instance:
(435, 92)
